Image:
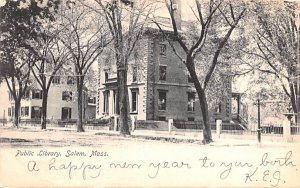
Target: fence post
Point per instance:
(4, 118)
(287, 130)
(218, 127)
(116, 123)
(133, 123)
(170, 124)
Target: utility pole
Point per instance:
(298, 66)
(258, 123)
(259, 102)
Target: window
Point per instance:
(134, 101)
(66, 113)
(115, 102)
(36, 112)
(162, 72)
(12, 111)
(67, 95)
(22, 111)
(10, 96)
(26, 95)
(70, 80)
(25, 111)
(37, 94)
(162, 100)
(92, 100)
(9, 112)
(105, 102)
(219, 108)
(106, 77)
(56, 80)
(134, 74)
(163, 49)
(191, 102)
(191, 119)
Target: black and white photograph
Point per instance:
(149, 93)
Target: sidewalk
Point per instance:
(184, 137)
(197, 138)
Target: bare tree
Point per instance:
(276, 44)
(193, 46)
(52, 56)
(126, 23)
(18, 78)
(85, 37)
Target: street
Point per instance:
(60, 157)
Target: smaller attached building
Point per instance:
(62, 102)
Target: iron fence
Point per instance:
(295, 130)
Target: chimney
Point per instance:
(176, 7)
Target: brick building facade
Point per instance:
(159, 86)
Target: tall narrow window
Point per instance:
(12, 111)
(66, 113)
(106, 102)
(162, 100)
(219, 108)
(163, 49)
(134, 74)
(25, 111)
(9, 112)
(162, 72)
(22, 111)
(106, 77)
(134, 101)
(191, 102)
(26, 95)
(10, 96)
(36, 112)
(115, 102)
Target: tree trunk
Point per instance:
(123, 105)
(17, 113)
(293, 97)
(44, 109)
(207, 138)
(79, 102)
